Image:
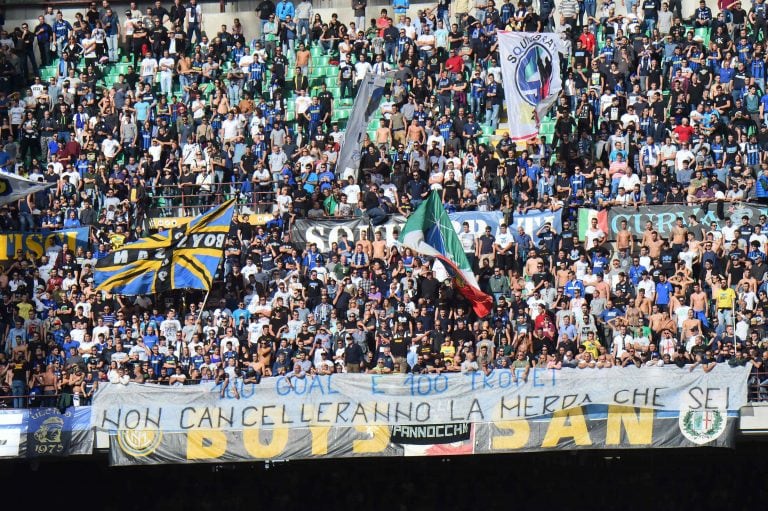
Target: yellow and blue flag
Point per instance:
(184, 257)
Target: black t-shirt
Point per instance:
(19, 370)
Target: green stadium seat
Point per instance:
(703, 33)
(47, 73)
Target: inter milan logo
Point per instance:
(534, 74)
(139, 442)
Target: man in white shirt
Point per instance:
(170, 326)
(362, 67)
(630, 116)
(230, 129)
(249, 269)
(648, 286)
(245, 61)
(594, 233)
(352, 191)
(38, 88)
(302, 103)
(628, 182)
(728, 231)
(379, 67)
(426, 42)
(622, 341)
(166, 66)
(684, 154)
(467, 240)
(148, 69)
(100, 329)
(198, 108)
(110, 147)
(436, 138)
(73, 175)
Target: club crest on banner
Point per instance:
(139, 442)
(702, 426)
(534, 74)
(530, 69)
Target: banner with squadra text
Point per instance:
(140, 416)
(530, 69)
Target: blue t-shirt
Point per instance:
(663, 292)
(142, 110)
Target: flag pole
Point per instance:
(202, 307)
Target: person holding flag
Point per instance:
(428, 231)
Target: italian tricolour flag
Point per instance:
(428, 231)
(585, 219)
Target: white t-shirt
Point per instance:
(37, 89)
(155, 151)
(88, 53)
(17, 114)
(109, 147)
(592, 235)
(503, 239)
(467, 240)
(148, 66)
(200, 112)
(284, 203)
(353, 193)
(245, 63)
(166, 62)
(169, 327)
(230, 128)
(104, 330)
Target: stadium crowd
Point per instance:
(655, 109)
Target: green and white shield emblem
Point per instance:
(702, 426)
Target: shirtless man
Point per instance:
(533, 260)
(649, 230)
(416, 135)
(50, 385)
(660, 321)
(379, 247)
(624, 238)
(643, 303)
(694, 245)
(603, 287)
(679, 233)
(680, 279)
(383, 135)
(699, 303)
(366, 244)
(184, 68)
(748, 279)
(562, 274)
(654, 244)
(691, 326)
(634, 316)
